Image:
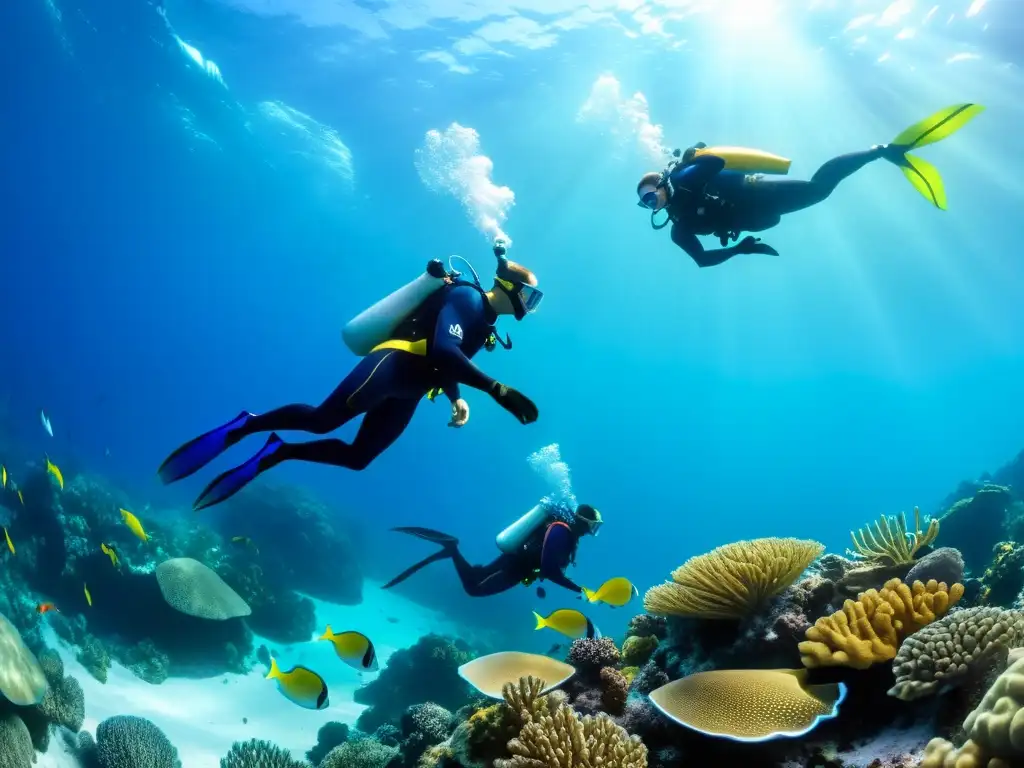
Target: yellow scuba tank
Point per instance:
(748, 160)
(375, 324)
(513, 538)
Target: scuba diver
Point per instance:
(539, 545)
(416, 341)
(722, 191)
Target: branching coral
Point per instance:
(871, 629)
(259, 754)
(126, 741)
(734, 580)
(890, 542)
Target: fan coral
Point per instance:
(563, 738)
(259, 754)
(589, 654)
(190, 587)
(944, 653)
(637, 650)
(890, 542)
(126, 741)
(734, 580)
(364, 753)
(995, 730)
(870, 630)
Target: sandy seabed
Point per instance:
(203, 718)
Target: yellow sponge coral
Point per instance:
(733, 580)
(871, 628)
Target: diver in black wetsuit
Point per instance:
(430, 350)
(542, 552)
(702, 197)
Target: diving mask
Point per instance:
(648, 195)
(525, 298)
(592, 517)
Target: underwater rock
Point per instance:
(21, 678)
(126, 741)
(194, 589)
(277, 614)
(942, 564)
(1004, 578)
(974, 525)
(427, 671)
(255, 753)
(328, 737)
(301, 544)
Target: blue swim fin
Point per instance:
(227, 484)
(197, 453)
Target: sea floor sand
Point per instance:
(203, 718)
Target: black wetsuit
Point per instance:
(708, 200)
(387, 385)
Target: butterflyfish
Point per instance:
(46, 423)
(109, 551)
(3, 474)
(54, 470)
(21, 498)
(615, 592)
(134, 525)
(46, 608)
(10, 544)
(569, 622)
(300, 685)
(354, 648)
(88, 597)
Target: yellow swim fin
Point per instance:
(935, 128)
(926, 180)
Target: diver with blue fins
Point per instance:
(539, 545)
(722, 191)
(418, 341)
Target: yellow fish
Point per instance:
(615, 592)
(21, 498)
(3, 473)
(354, 648)
(134, 525)
(10, 544)
(569, 622)
(109, 551)
(300, 686)
(88, 597)
(54, 470)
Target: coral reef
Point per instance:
(734, 580)
(15, 743)
(870, 630)
(890, 542)
(636, 649)
(1004, 578)
(194, 589)
(647, 625)
(944, 564)
(21, 678)
(63, 705)
(423, 726)
(589, 654)
(427, 671)
(614, 690)
(976, 523)
(361, 753)
(328, 737)
(259, 754)
(126, 741)
(944, 653)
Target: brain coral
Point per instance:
(21, 678)
(126, 741)
(870, 630)
(259, 754)
(733, 580)
(943, 653)
(190, 587)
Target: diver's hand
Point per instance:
(750, 244)
(460, 413)
(515, 402)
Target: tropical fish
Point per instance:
(616, 592)
(46, 423)
(541, 592)
(109, 551)
(46, 607)
(554, 649)
(21, 498)
(354, 648)
(300, 685)
(88, 597)
(3, 474)
(10, 544)
(245, 541)
(54, 470)
(134, 525)
(569, 622)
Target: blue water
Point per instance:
(174, 253)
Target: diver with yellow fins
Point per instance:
(419, 339)
(723, 191)
(539, 545)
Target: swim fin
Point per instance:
(197, 453)
(429, 534)
(443, 554)
(227, 484)
(924, 176)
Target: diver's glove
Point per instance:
(751, 244)
(515, 402)
(435, 268)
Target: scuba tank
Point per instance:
(512, 539)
